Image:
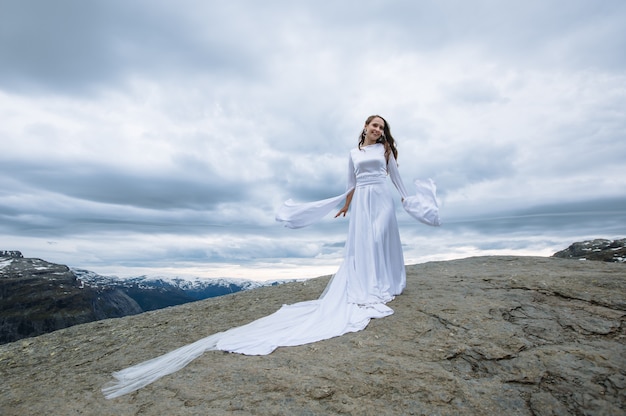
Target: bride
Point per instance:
(371, 274)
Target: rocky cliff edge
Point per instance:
(477, 336)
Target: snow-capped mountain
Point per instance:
(93, 279)
(155, 292)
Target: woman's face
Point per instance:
(374, 129)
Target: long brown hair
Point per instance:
(386, 138)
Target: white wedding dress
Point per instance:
(371, 274)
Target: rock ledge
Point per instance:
(477, 336)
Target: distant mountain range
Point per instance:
(37, 297)
(160, 292)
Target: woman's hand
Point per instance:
(343, 211)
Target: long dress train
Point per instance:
(371, 274)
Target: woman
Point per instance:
(371, 274)
(373, 250)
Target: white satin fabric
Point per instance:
(371, 274)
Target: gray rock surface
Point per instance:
(477, 336)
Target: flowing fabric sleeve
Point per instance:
(351, 182)
(298, 215)
(422, 205)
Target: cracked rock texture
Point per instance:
(477, 336)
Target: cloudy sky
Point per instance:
(160, 136)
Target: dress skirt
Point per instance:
(371, 274)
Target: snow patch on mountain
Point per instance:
(92, 279)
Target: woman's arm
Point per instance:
(345, 208)
(392, 169)
(350, 185)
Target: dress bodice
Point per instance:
(368, 165)
(369, 161)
